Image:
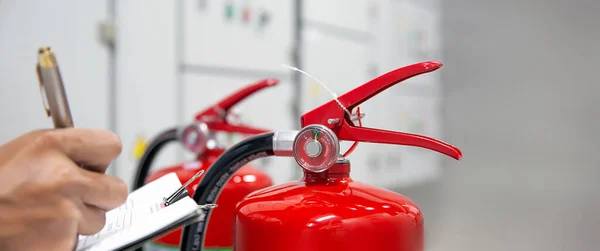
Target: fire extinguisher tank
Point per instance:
(327, 211)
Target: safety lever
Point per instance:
(337, 117)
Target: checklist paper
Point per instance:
(142, 217)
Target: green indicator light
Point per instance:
(229, 11)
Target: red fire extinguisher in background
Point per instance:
(326, 210)
(199, 137)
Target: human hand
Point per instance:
(46, 197)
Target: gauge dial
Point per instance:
(316, 148)
(194, 137)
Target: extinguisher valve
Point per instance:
(199, 135)
(316, 147)
(283, 143)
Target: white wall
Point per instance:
(69, 27)
(522, 102)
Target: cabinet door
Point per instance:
(252, 35)
(353, 15)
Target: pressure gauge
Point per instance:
(316, 148)
(194, 137)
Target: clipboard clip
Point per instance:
(181, 192)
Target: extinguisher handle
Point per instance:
(216, 116)
(336, 114)
(372, 135)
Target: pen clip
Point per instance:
(42, 90)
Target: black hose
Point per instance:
(150, 154)
(217, 176)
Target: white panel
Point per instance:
(414, 104)
(340, 64)
(415, 37)
(353, 14)
(146, 76)
(69, 27)
(213, 39)
(398, 166)
(268, 108)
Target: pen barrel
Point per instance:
(57, 97)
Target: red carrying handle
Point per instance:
(215, 116)
(332, 115)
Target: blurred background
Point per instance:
(517, 94)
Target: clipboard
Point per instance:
(144, 217)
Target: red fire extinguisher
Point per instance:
(199, 137)
(325, 210)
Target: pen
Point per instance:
(53, 93)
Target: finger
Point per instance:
(92, 220)
(11, 148)
(94, 149)
(103, 191)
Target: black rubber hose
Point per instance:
(150, 154)
(152, 150)
(217, 176)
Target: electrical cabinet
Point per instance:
(352, 15)
(252, 35)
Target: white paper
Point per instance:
(140, 216)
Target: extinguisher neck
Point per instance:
(340, 172)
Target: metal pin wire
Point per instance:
(335, 97)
